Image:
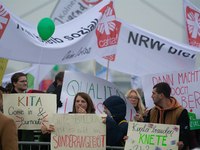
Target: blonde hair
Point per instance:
(140, 106)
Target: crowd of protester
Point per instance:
(167, 110)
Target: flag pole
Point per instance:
(107, 68)
(94, 70)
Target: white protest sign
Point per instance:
(184, 87)
(78, 131)
(151, 136)
(98, 89)
(29, 110)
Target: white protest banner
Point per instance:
(29, 110)
(152, 136)
(35, 74)
(184, 87)
(98, 89)
(94, 34)
(67, 10)
(141, 52)
(78, 131)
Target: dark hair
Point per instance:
(164, 88)
(3, 89)
(90, 105)
(15, 77)
(9, 87)
(59, 76)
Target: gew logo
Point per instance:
(4, 19)
(107, 31)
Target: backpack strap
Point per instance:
(122, 142)
(122, 122)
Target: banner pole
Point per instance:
(94, 70)
(107, 68)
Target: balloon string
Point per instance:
(39, 65)
(41, 52)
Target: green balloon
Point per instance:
(46, 28)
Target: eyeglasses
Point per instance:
(133, 98)
(24, 81)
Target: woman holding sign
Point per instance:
(134, 97)
(82, 104)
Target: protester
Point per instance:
(82, 104)
(134, 97)
(167, 110)
(8, 130)
(58, 81)
(19, 82)
(3, 89)
(116, 124)
(57, 91)
(9, 87)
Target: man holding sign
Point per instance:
(167, 110)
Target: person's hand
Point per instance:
(139, 117)
(104, 120)
(146, 110)
(81, 110)
(45, 130)
(125, 138)
(180, 145)
(51, 128)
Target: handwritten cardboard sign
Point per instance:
(98, 89)
(184, 87)
(29, 110)
(152, 136)
(78, 131)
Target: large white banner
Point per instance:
(98, 89)
(140, 52)
(68, 10)
(35, 74)
(94, 34)
(184, 87)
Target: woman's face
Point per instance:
(133, 98)
(105, 110)
(80, 103)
